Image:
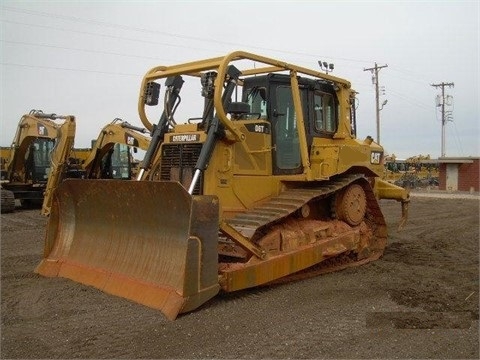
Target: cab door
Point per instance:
(285, 140)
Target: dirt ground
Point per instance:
(420, 300)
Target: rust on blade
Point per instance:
(150, 242)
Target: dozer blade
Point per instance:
(150, 242)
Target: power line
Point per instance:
(412, 76)
(411, 101)
(122, 54)
(69, 69)
(103, 23)
(70, 48)
(78, 49)
(103, 35)
(144, 30)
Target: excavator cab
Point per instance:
(110, 156)
(117, 163)
(37, 160)
(39, 149)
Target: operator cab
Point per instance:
(270, 98)
(117, 163)
(37, 160)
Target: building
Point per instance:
(459, 173)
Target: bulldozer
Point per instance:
(265, 181)
(38, 157)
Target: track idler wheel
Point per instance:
(351, 205)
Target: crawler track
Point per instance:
(282, 215)
(8, 201)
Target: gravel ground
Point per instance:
(420, 300)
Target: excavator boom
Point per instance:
(116, 132)
(59, 160)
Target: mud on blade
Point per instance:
(150, 242)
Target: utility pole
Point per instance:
(442, 85)
(375, 71)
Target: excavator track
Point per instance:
(292, 207)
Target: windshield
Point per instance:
(257, 99)
(121, 161)
(41, 149)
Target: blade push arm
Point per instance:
(174, 85)
(215, 130)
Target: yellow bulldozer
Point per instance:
(264, 180)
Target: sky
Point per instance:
(88, 58)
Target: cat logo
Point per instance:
(375, 157)
(130, 140)
(42, 130)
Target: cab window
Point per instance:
(257, 99)
(324, 112)
(286, 132)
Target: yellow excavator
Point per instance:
(40, 148)
(105, 163)
(102, 162)
(267, 179)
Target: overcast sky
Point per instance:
(88, 58)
